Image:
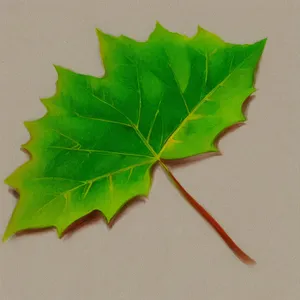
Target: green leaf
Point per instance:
(163, 99)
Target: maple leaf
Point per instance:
(166, 98)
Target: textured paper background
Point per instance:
(161, 249)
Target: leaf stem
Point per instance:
(210, 219)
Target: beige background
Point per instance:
(161, 249)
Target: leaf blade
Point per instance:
(166, 98)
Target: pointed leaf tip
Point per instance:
(261, 43)
(159, 27)
(59, 69)
(157, 24)
(264, 41)
(59, 232)
(199, 28)
(7, 234)
(159, 31)
(99, 32)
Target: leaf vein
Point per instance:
(99, 151)
(90, 182)
(186, 119)
(102, 120)
(140, 95)
(177, 83)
